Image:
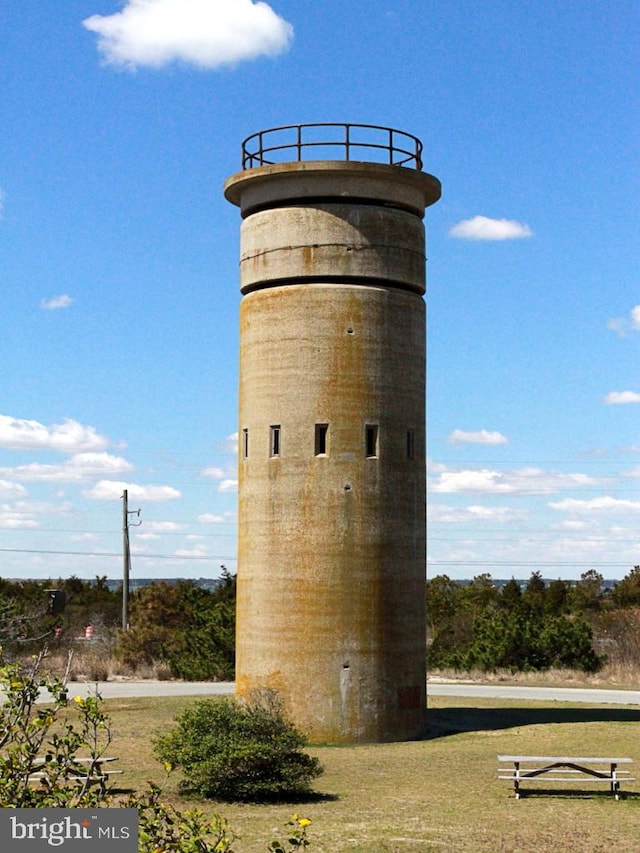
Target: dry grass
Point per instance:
(95, 661)
(619, 676)
(440, 794)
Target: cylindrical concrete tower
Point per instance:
(331, 559)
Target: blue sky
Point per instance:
(119, 256)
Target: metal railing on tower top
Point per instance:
(332, 141)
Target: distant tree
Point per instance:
(511, 595)
(90, 603)
(556, 597)
(534, 595)
(186, 627)
(587, 593)
(528, 641)
(449, 621)
(443, 600)
(481, 593)
(627, 592)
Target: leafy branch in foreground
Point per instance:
(40, 742)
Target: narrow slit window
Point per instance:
(322, 439)
(245, 443)
(371, 440)
(274, 440)
(411, 444)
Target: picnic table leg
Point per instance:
(516, 781)
(615, 784)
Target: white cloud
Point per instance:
(572, 525)
(212, 518)
(462, 515)
(11, 490)
(24, 514)
(79, 467)
(521, 481)
(595, 505)
(228, 486)
(484, 228)
(623, 325)
(472, 481)
(202, 33)
(68, 437)
(619, 398)
(109, 490)
(214, 473)
(191, 552)
(12, 520)
(56, 302)
(164, 526)
(483, 436)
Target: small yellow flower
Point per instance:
(78, 700)
(304, 821)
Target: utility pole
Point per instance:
(126, 556)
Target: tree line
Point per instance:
(186, 628)
(190, 630)
(535, 626)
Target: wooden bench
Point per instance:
(564, 769)
(81, 770)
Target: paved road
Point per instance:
(128, 689)
(558, 694)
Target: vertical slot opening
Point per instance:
(245, 443)
(371, 440)
(411, 444)
(274, 440)
(322, 440)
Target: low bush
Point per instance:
(239, 751)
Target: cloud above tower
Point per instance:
(621, 398)
(481, 436)
(485, 228)
(56, 302)
(206, 34)
(623, 326)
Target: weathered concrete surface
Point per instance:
(331, 558)
(349, 241)
(268, 186)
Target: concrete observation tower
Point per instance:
(331, 559)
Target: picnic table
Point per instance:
(565, 769)
(81, 769)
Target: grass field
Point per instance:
(439, 794)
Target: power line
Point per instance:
(518, 563)
(119, 555)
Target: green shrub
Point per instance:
(239, 751)
(188, 629)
